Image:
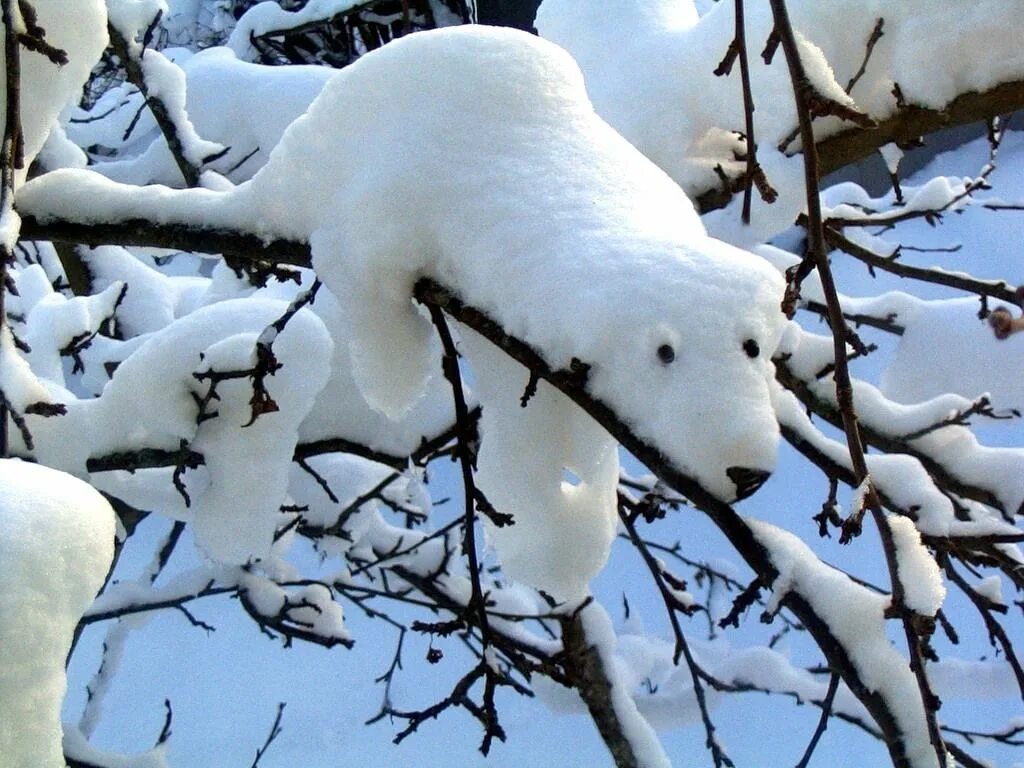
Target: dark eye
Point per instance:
(751, 348)
(666, 354)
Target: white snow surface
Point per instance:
(133, 17)
(856, 618)
(598, 630)
(552, 280)
(923, 590)
(56, 546)
(561, 488)
(235, 498)
(46, 88)
(983, 364)
(226, 100)
(649, 68)
(269, 16)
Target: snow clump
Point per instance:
(56, 546)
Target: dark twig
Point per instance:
(275, 731)
(844, 388)
(869, 48)
(11, 158)
(628, 513)
(165, 732)
(753, 174)
(133, 68)
(996, 289)
(816, 252)
(488, 714)
(997, 635)
(34, 36)
(573, 385)
(388, 678)
(826, 712)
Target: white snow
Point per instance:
(983, 364)
(46, 88)
(892, 155)
(856, 618)
(56, 545)
(991, 588)
(525, 204)
(269, 16)
(609, 213)
(562, 531)
(649, 68)
(923, 590)
(226, 101)
(133, 17)
(599, 633)
(235, 506)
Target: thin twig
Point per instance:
(844, 388)
(826, 713)
(275, 731)
(9, 156)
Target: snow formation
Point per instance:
(47, 88)
(538, 221)
(532, 209)
(649, 67)
(56, 546)
(234, 501)
(226, 100)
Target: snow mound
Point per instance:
(56, 545)
(534, 210)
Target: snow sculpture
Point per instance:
(56, 546)
(483, 165)
(46, 88)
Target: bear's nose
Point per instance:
(747, 480)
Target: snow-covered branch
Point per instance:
(448, 271)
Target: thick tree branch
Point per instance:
(909, 123)
(723, 515)
(586, 670)
(179, 236)
(912, 122)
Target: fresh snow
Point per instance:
(923, 590)
(56, 546)
(856, 617)
(47, 89)
(649, 70)
(527, 205)
(609, 213)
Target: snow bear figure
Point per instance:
(473, 156)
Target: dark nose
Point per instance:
(747, 480)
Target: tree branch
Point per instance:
(586, 670)
(907, 124)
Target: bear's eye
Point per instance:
(666, 354)
(751, 348)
